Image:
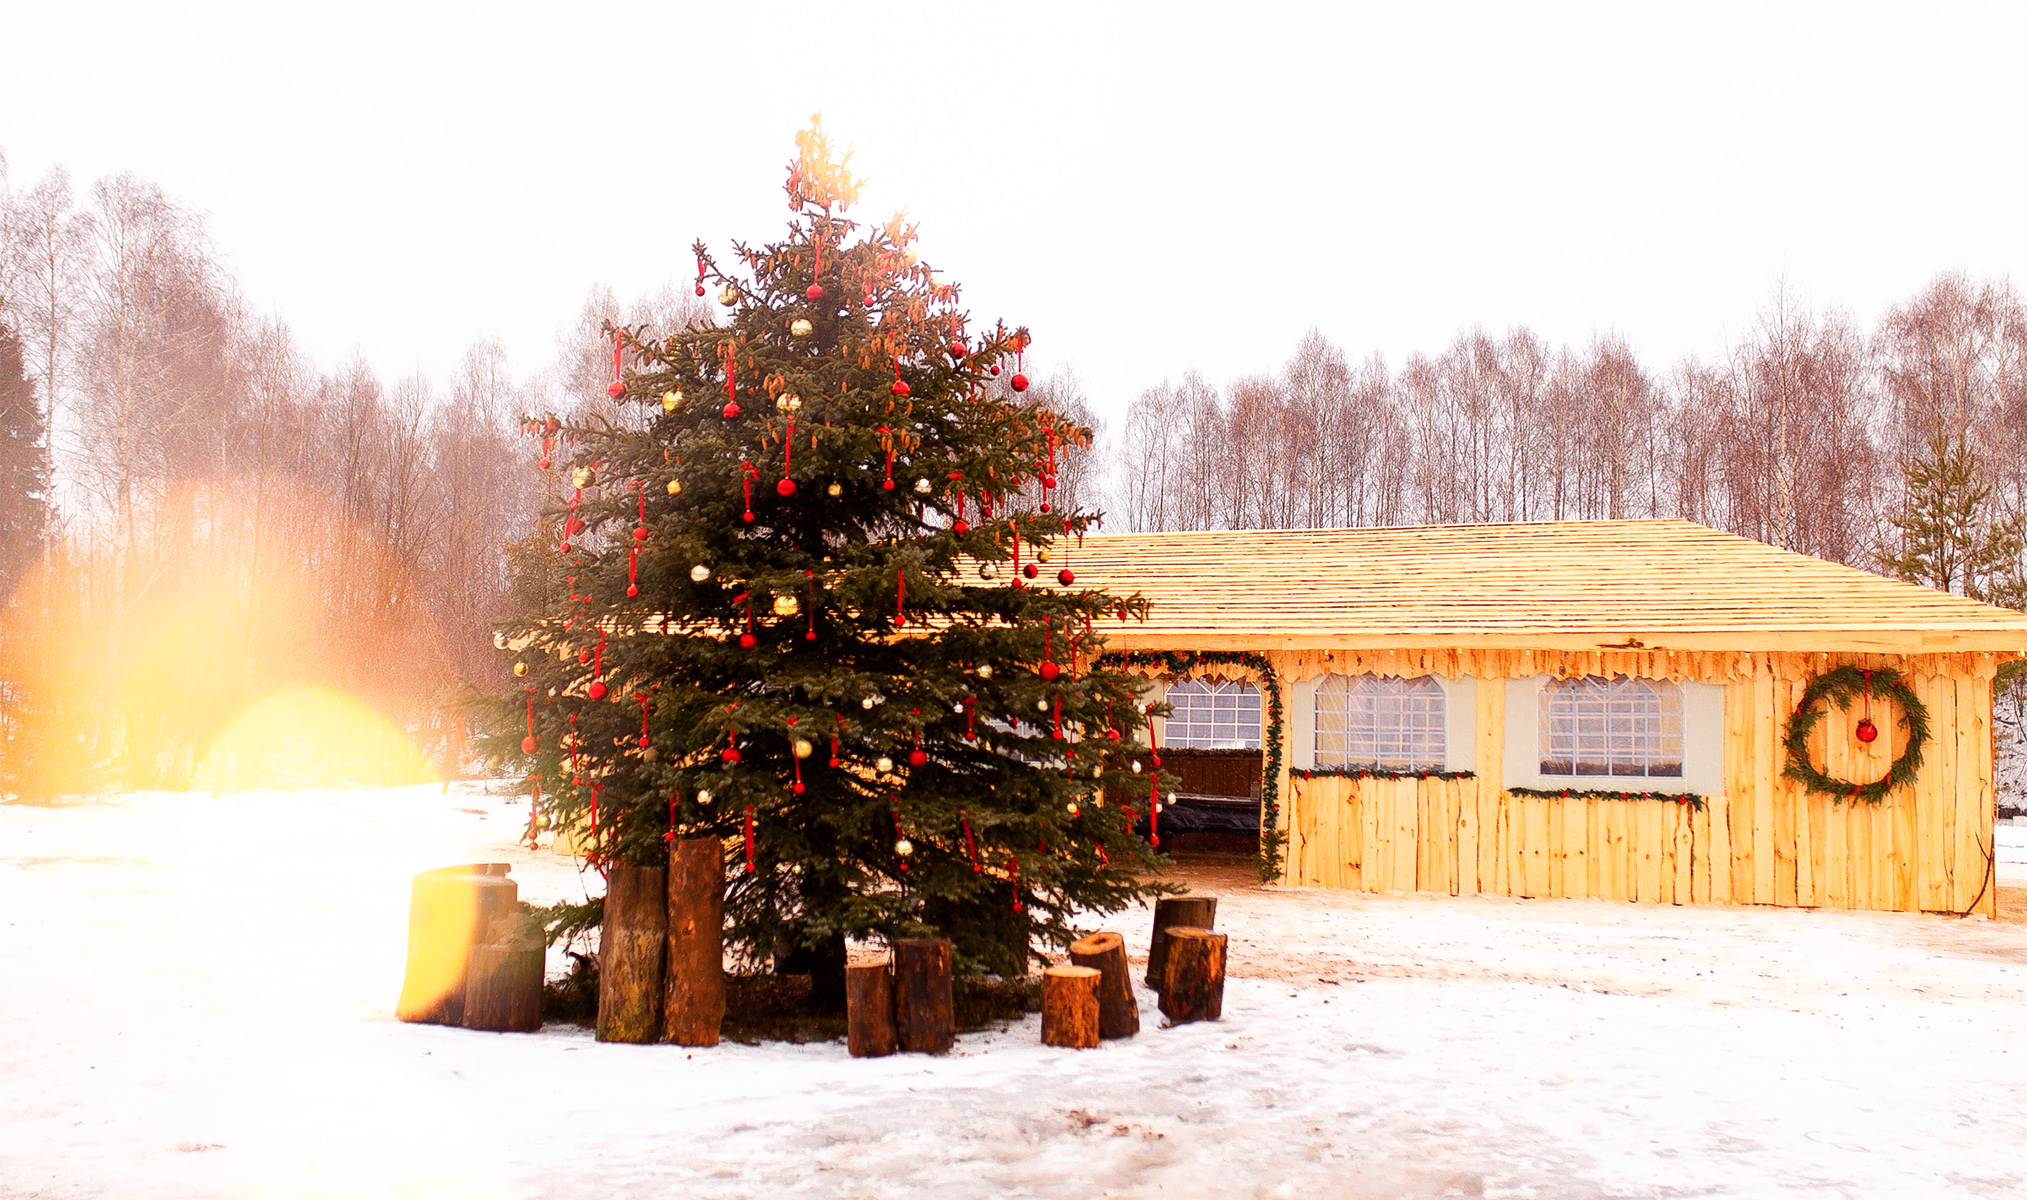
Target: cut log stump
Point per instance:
(1105, 953)
(693, 995)
(925, 1013)
(869, 1008)
(1198, 912)
(631, 945)
(1070, 1007)
(503, 990)
(449, 911)
(1193, 983)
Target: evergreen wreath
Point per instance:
(1838, 687)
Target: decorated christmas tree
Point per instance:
(807, 590)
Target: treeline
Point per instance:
(1803, 434)
(197, 516)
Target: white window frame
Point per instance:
(1212, 714)
(1380, 722)
(1622, 727)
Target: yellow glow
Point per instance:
(310, 737)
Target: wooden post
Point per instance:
(693, 994)
(1118, 1011)
(1070, 1007)
(1198, 912)
(869, 1008)
(925, 1015)
(503, 991)
(450, 910)
(1193, 984)
(631, 944)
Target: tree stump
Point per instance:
(925, 1014)
(1198, 912)
(450, 910)
(503, 990)
(1193, 983)
(1070, 1007)
(693, 996)
(631, 944)
(869, 1008)
(1118, 1011)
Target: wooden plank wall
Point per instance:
(1764, 841)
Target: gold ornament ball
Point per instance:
(788, 402)
(499, 640)
(800, 327)
(1041, 706)
(1071, 808)
(987, 571)
(699, 573)
(786, 605)
(648, 755)
(520, 670)
(1042, 555)
(883, 764)
(728, 295)
(670, 400)
(835, 490)
(804, 748)
(703, 795)
(868, 703)
(985, 670)
(904, 847)
(582, 477)
(1136, 766)
(675, 486)
(923, 487)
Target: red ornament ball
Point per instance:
(813, 293)
(1867, 731)
(917, 758)
(1020, 382)
(1048, 481)
(837, 762)
(1065, 578)
(700, 289)
(583, 656)
(747, 641)
(887, 485)
(960, 528)
(786, 487)
(900, 387)
(542, 463)
(731, 756)
(632, 591)
(957, 349)
(615, 389)
(643, 741)
(731, 411)
(1112, 734)
(1031, 570)
(640, 533)
(1045, 506)
(528, 744)
(1050, 671)
(596, 691)
(995, 370)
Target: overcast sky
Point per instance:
(1149, 188)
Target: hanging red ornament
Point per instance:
(1013, 878)
(1031, 571)
(810, 636)
(731, 410)
(615, 389)
(1065, 578)
(1866, 730)
(970, 846)
(597, 689)
(916, 757)
(700, 274)
(1049, 670)
(730, 756)
(642, 697)
(1020, 383)
(747, 474)
(957, 350)
(528, 743)
(749, 839)
(900, 387)
(970, 716)
(813, 293)
(1153, 807)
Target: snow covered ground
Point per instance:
(196, 1000)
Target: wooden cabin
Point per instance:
(1586, 708)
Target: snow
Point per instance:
(198, 1003)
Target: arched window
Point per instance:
(1597, 726)
(1213, 716)
(1379, 722)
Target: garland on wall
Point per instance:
(1841, 687)
(1375, 773)
(1179, 663)
(1690, 798)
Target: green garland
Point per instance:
(1690, 798)
(1374, 773)
(1273, 839)
(1839, 687)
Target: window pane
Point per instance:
(1616, 727)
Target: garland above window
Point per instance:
(1841, 687)
(1693, 800)
(1375, 773)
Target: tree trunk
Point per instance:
(503, 991)
(827, 974)
(1193, 984)
(1118, 1011)
(925, 1015)
(693, 996)
(1198, 912)
(449, 911)
(1070, 1007)
(869, 1008)
(631, 944)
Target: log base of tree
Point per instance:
(450, 910)
(503, 988)
(1105, 953)
(869, 1009)
(1193, 979)
(925, 1012)
(693, 993)
(1198, 912)
(631, 944)
(1070, 1007)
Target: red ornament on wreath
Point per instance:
(1867, 732)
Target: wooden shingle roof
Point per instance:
(1573, 585)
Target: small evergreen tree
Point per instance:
(1951, 531)
(24, 466)
(791, 599)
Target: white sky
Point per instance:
(1149, 188)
